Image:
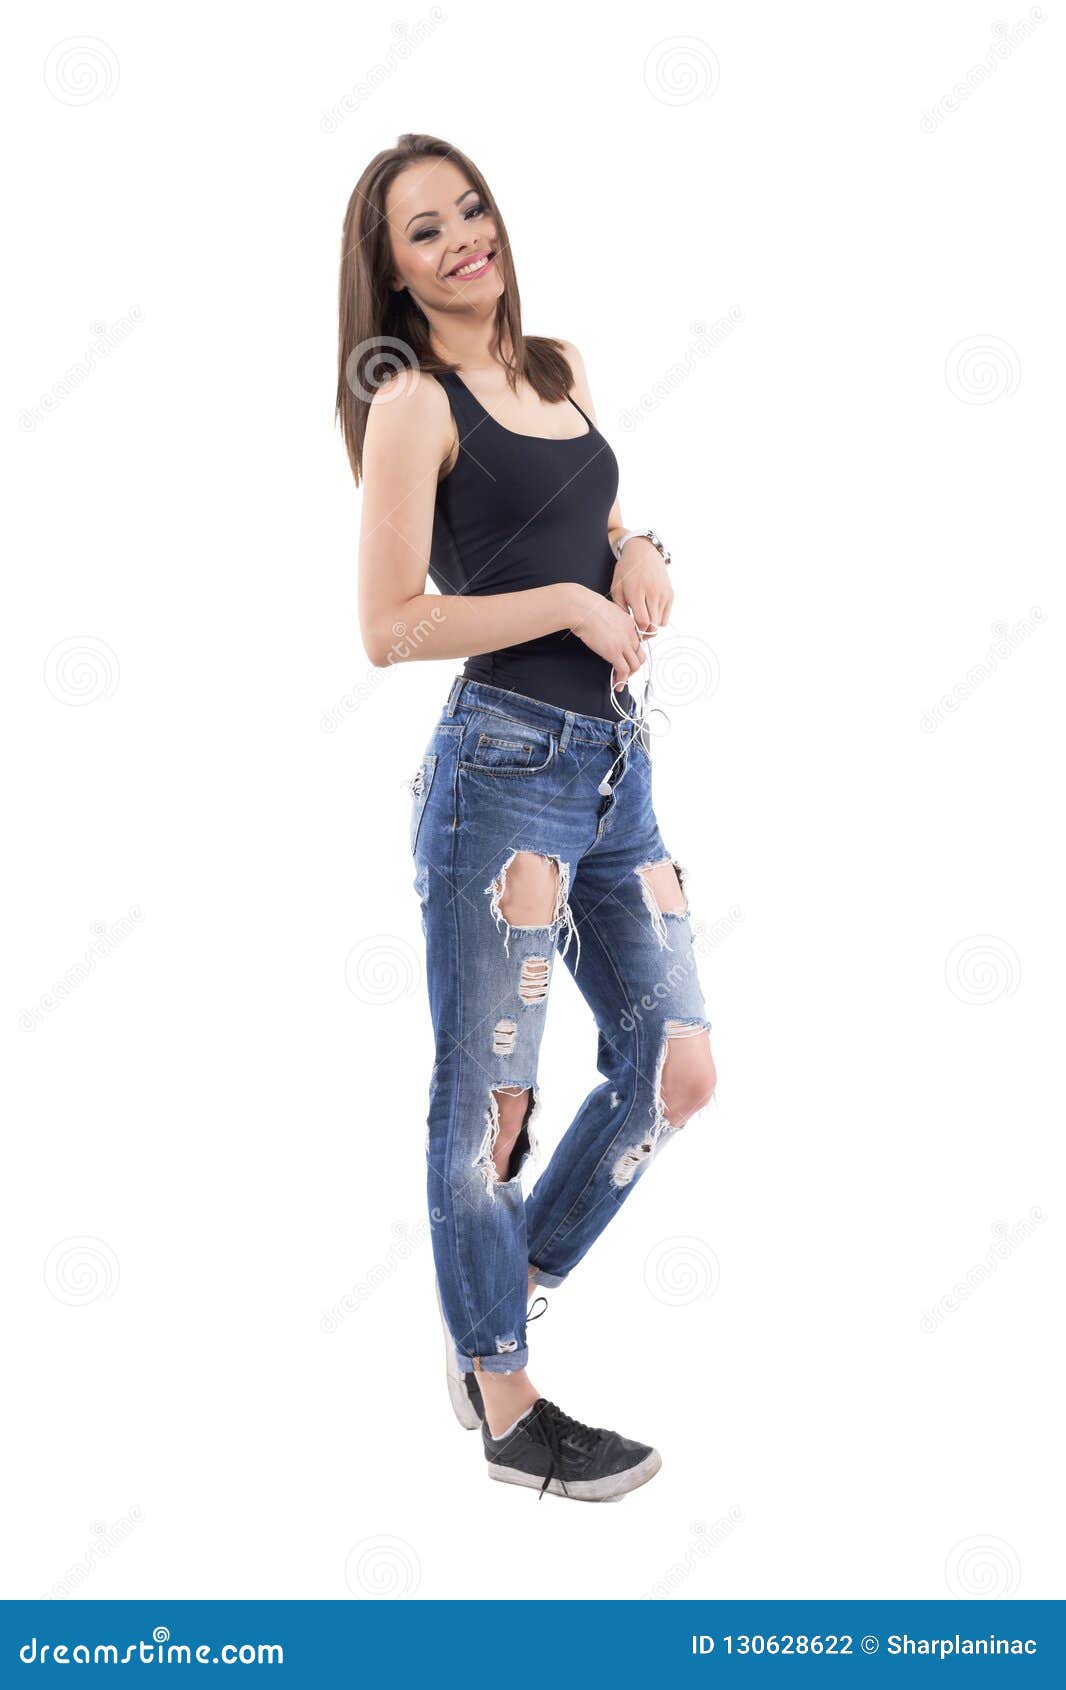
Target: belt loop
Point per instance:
(568, 728)
(453, 696)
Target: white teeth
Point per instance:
(469, 269)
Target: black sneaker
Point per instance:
(548, 1450)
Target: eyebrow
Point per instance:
(418, 214)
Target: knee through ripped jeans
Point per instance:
(505, 775)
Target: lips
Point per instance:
(471, 268)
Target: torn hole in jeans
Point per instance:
(562, 918)
(503, 1037)
(533, 979)
(658, 915)
(637, 1156)
(524, 1146)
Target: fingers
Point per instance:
(659, 610)
(651, 613)
(633, 656)
(626, 665)
(638, 606)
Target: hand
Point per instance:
(642, 584)
(610, 632)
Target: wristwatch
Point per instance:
(640, 534)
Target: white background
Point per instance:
(216, 1135)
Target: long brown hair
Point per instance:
(383, 332)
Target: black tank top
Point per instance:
(518, 511)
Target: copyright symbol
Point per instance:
(870, 1645)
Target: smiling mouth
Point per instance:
(473, 267)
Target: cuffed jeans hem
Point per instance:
(509, 1363)
(539, 1277)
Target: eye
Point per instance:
(474, 211)
(426, 234)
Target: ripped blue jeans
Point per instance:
(502, 775)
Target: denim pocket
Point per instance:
(502, 754)
(493, 753)
(420, 786)
(504, 746)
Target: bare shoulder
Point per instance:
(580, 388)
(411, 405)
(573, 358)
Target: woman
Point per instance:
(532, 826)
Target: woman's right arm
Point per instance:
(408, 437)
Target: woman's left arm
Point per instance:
(641, 582)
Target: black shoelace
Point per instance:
(548, 1425)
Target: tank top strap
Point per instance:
(581, 413)
(467, 412)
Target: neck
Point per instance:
(466, 341)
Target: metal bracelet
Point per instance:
(640, 534)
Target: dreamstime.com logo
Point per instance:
(1005, 643)
(405, 641)
(1007, 41)
(703, 1541)
(705, 340)
(105, 1540)
(407, 1242)
(1007, 1240)
(104, 339)
(103, 942)
(406, 39)
(159, 1650)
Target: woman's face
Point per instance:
(443, 239)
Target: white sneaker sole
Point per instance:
(463, 1408)
(586, 1490)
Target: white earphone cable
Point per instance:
(644, 708)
